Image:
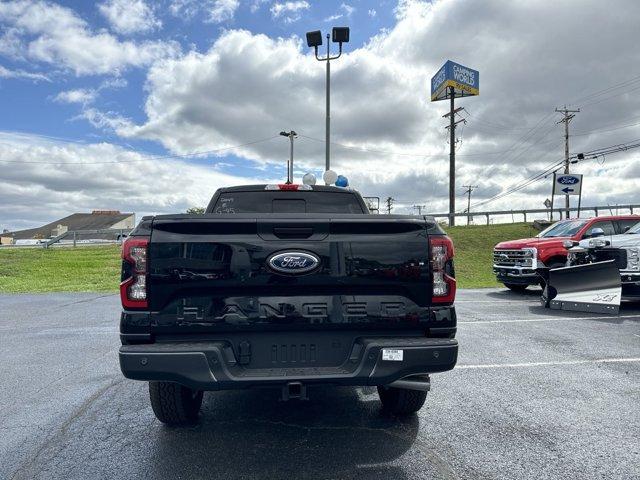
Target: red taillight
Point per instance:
(442, 280)
(133, 290)
(293, 187)
(288, 186)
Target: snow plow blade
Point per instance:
(594, 287)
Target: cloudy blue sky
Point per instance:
(104, 104)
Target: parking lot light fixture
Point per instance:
(338, 35)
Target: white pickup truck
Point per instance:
(624, 249)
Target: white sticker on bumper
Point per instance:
(392, 355)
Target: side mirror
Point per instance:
(626, 229)
(570, 243)
(597, 232)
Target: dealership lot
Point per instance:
(537, 394)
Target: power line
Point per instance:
(608, 98)
(592, 154)
(606, 90)
(523, 184)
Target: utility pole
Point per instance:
(469, 189)
(291, 136)
(452, 155)
(389, 204)
(419, 208)
(567, 116)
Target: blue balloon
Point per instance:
(342, 181)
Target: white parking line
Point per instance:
(515, 300)
(547, 364)
(549, 319)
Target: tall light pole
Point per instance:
(291, 136)
(339, 35)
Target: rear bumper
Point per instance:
(213, 365)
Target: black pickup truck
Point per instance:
(288, 286)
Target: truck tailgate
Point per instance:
(215, 273)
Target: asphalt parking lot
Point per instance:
(536, 394)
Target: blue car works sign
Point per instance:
(465, 81)
(565, 184)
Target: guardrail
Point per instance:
(609, 209)
(120, 235)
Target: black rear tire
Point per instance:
(401, 401)
(175, 404)
(516, 288)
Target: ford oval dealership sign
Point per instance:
(565, 184)
(465, 82)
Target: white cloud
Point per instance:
(223, 10)
(331, 18)
(36, 77)
(289, 11)
(212, 11)
(251, 86)
(372, 12)
(80, 95)
(78, 183)
(111, 121)
(86, 96)
(117, 82)
(257, 4)
(52, 34)
(348, 9)
(129, 16)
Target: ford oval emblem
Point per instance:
(293, 263)
(567, 180)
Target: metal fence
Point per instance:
(74, 237)
(550, 214)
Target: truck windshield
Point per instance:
(287, 202)
(566, 228)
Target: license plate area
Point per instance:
(293, 349)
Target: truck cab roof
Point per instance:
(263, 186)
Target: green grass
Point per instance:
(97, 269)
(474, 250)
(60, 269)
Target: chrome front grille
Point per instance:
(510, 258)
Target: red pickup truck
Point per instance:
(515, 261)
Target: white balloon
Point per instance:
(309, 179)
(330, 177)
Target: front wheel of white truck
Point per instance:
(175, 404)
(401, 401)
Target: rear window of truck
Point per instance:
(287, 202)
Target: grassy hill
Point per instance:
(60, 269)
(474, 250)
(97, 268)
